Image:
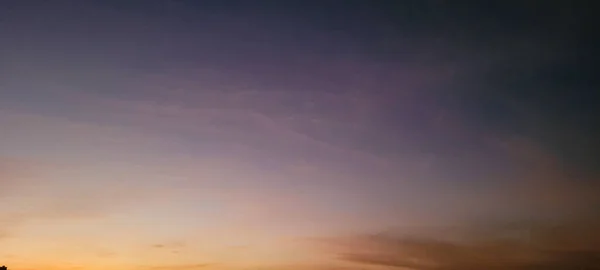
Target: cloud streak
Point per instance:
(178, 266)
(534, 246)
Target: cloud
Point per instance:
(251, 119)
(568, 245)
(177, 266)
(174, 247)
(174, 244)
(311, 266)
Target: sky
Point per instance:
(241, 135)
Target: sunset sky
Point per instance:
(242, 135)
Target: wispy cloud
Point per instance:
(559, 246)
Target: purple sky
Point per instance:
(231, 135)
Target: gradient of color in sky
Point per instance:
(270, 135)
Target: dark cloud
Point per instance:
(174, 247)
(573, 245)
(177, 267)
(313, 266)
